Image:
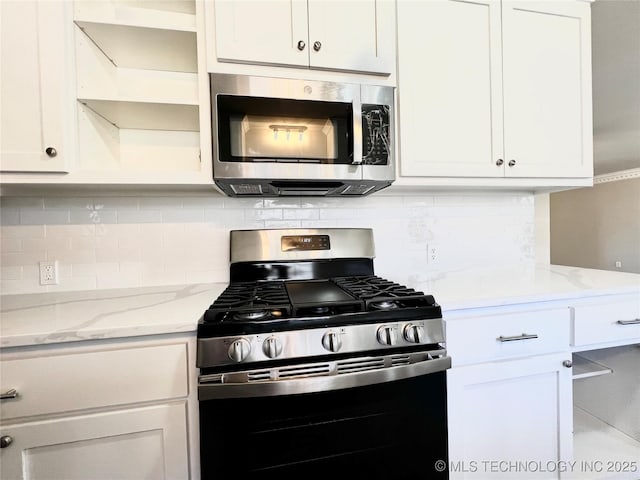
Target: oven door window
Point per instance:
(252, 129)
(390, 430)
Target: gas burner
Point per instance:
(319, 310)
(384, 305)
(248, 316)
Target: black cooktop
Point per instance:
(246, 307)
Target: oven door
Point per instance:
(387, 423)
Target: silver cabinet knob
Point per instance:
(5, 441)
(239, 350)
(386, 335)
(272, 347)
(301, 45)
(567, 363)
(499, 162)
(317, 46)
(50, 151)
(413, 333)
(331, 341)
(511, 163)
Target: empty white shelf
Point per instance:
(584, 368)
(146, 116)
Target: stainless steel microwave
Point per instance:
(282, 137)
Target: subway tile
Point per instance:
(68, 203)
(10, 216)
(83, 242)
(108, 255)
(92, 215)
(234, 202)
(159, 203)
(132, 271)
(139, 216)
(260, 214)
(207, 202)
(20, 259)
(224, 216)
(74, 256)
(10, 245)
(13, 287)
(281, 203)
(22, 202)
(116, 203)
(74, 283)
(282, 224)
(31, 272)
(322, 202)
(48, 244)
(13, 272)
(172, 240)
(22, 231)
(183, 215)
(300, 214)
(417, 201)
(70, 230)
(44, 217)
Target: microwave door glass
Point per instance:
(262, 137)
(257, 129)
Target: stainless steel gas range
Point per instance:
(310, 363)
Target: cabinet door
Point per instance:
(32, 85)
(262, 31)
(450, 88)
(144, 443)
(547, 88)
(512, 411)
(353, 35)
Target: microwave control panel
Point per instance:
(376, 145)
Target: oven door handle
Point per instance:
(320, 383)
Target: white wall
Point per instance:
(595, 227)
(109, 242)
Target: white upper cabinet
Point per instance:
(495, 89)
(351, 35)
(450, 93)
(547, 88)
(33, 87)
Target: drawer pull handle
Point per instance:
(629, 322)
(13, 393)
(515, 338)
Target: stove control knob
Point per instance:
(386, 335)
(272, 347)
(331, 341)
(413, 333)
(239, 350)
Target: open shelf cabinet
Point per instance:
(137, 89)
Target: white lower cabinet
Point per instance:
(510, 419)
(132, 444)
(113, 409)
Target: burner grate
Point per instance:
(378, 293)
(243, 300)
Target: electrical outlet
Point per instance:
(618, 264)
(49, 273)
(433, 253)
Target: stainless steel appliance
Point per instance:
(310, 363)
(276, 136)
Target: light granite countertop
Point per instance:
(35, 319)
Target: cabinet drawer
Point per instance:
(610, 319)
(494, 337)
(72, 381)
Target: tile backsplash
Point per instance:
(128, 241)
